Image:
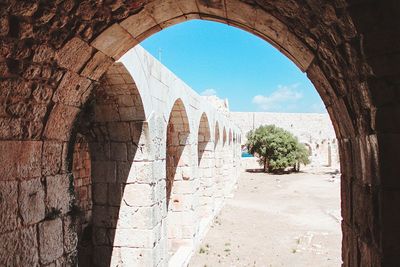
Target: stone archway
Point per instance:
(205, 154)
(113, 126)
(52, 52)
(180, 189)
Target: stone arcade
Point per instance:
(53, 55)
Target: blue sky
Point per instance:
(214, 58)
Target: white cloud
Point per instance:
(282, 99)
(208, 92)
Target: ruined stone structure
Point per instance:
(313, 130)
(54, 53)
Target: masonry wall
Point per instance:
(313, 130)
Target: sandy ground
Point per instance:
(277, 220)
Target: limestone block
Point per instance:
(104, 216)
(180, 203)
(183, 187)
(100, 193)
(164, 10)
(74, 54)
(141, 172)
(8, 206)
(114, 41)
(73, 90)
(19, 248)
(114, 194)
(31, 201)
(52, 156)
(50, 240)
(119, 131)
(97, 66)
(139, 195)
(104, 113)
(104, 171)
(28, 156)
(100, 236)
(60, 122)
(138, 23)
(145, 218)
(137, 257)
(70, 235)
(119, 151)
(143, 238)
(58, 193)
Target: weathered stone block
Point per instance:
(97, 66)
(114, 194)
(114, 41)
(70, 235)
(100, 193)
(139, 195)
(60, 122)
(8, 206)
(119, 151)
(58, 193)
(74, 54)
(19, 248)
(104, 171)
(28, 156)
(52, 156)
(51, 245)
(73, 90)
(31, 201)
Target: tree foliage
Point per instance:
(276, 148)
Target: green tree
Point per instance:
(276, 148)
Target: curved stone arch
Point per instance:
(178, 131)
(224, 137)
(179, 164)
(113, 132)
(217, 136)
(347, 71)
(203, 137)
(309, 148)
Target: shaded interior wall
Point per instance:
(81, 170)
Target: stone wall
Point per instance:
(313, 130)
(53, 53)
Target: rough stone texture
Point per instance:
(31, 201)
(51, 245)
(22, 159)
(349, 49)
(8, 206)
(58, 195)
(19, 248)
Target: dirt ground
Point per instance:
(277, 220)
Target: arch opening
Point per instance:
(179, 180)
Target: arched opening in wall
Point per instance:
(230, 136)
(216, 136)
(224, 137)
(205, 151)
(180, 224)
(203, 138)
(308, 146)
(110, 141)
(323, 39)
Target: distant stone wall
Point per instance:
(312, 129)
